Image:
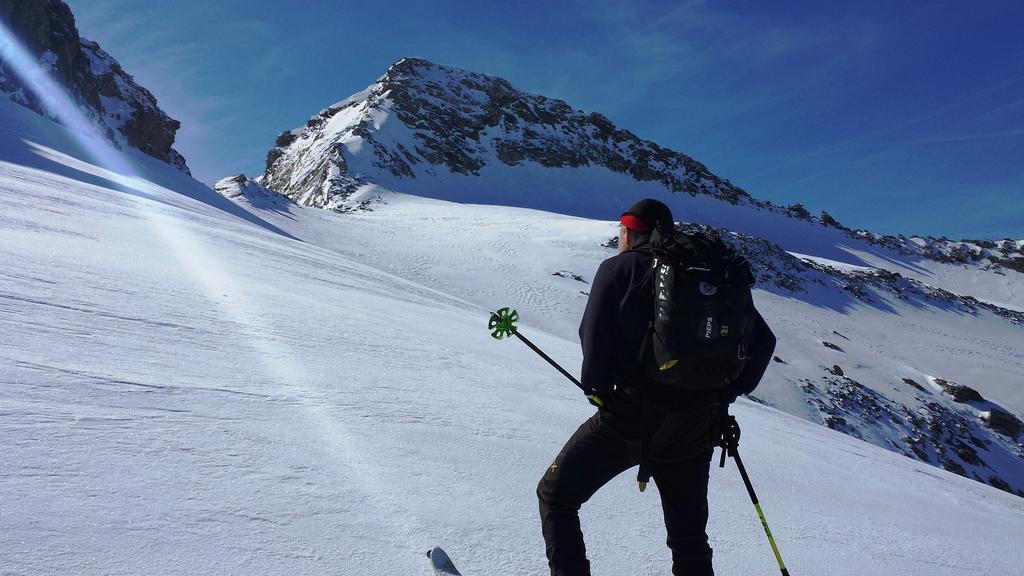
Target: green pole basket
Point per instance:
(503, 323)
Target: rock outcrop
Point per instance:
(241, 186)
(126, 113)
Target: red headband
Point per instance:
(632, 222)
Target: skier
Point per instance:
(675, 443)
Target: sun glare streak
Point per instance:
(59, 104)
(210, 275)
(111, 164)
(135, 183)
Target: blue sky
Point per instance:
(901, 117)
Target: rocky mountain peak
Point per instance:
(410, 76)
(422, 119)
(125, 111)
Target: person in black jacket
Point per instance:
(626, 431)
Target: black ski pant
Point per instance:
(595, 454)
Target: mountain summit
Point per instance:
(423, 121)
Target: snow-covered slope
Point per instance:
(190, 387)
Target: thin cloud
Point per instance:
(712, 48)
(887, 136)
(1013, 133)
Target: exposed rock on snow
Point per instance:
(959, 392)
(1003, 423)
(949, 437)
(242, 186)
(914, 383)
(568, 274)
(992, 255)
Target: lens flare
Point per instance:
(58, 103)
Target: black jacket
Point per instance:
(615, 323)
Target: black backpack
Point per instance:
(704, 315)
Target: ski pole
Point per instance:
(503, 323)
(730, 444)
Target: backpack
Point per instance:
(704, 315)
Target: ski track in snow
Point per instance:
(184, 391)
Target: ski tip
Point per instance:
(441, 563)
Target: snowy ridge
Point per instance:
(855, 280)
(991, 255)
(986, 254)
(424, 120)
